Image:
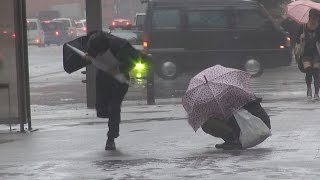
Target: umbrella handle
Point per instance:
(205, 78)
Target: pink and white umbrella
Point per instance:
(299, 10)
(216, 92)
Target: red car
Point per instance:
(120, 23)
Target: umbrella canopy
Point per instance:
(72, 61)
(216, 92)
(299, 10)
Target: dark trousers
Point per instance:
(109, 96)
(229, 130)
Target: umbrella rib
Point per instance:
(217, 103)
(238, 88)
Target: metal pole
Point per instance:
(26, 63)
(22, 63)
(150, 83)
(94, 22)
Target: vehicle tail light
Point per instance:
(127, 23)
(5, 32)
(13, 35)
(37, 41)
(84, 29)
(288, 41)
(145, 44)
(113, 23)
(57, 33)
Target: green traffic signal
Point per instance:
(139, 67)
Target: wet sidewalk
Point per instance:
(157, 143)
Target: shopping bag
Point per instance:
(299, 47)
(253, 130)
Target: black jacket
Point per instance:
(127, 55)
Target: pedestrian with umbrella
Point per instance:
(308, 38)
(114, 58)
(213, 100)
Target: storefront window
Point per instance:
(8, 64)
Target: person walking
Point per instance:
(110, 90)
(309, 34)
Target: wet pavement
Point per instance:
(156, 142)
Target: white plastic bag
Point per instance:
(253, 130)
(106, 61)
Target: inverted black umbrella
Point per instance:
(72, 61)
(106, 51)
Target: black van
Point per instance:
(190, 35)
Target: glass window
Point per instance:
(66, 23)
(49, 26)
(8, 63)
(140, 20)
(211, 19)
(32, 26)
(79, 25)
(166, 19)
(250, 19)
(73, 23)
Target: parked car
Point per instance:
(127, 35)
(70, 23)
(55, 32)
(185, 36)
(81, 27)
(121, 24)
(35, 32)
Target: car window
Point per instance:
(207, 19)
(32, 26)
(79, 25)
(250, 19)
(49, 26)
(73, 23)
(140, 20)
(66, 23)
(166, 19)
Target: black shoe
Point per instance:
(232, 146)
(110, 145)
(220, 146)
